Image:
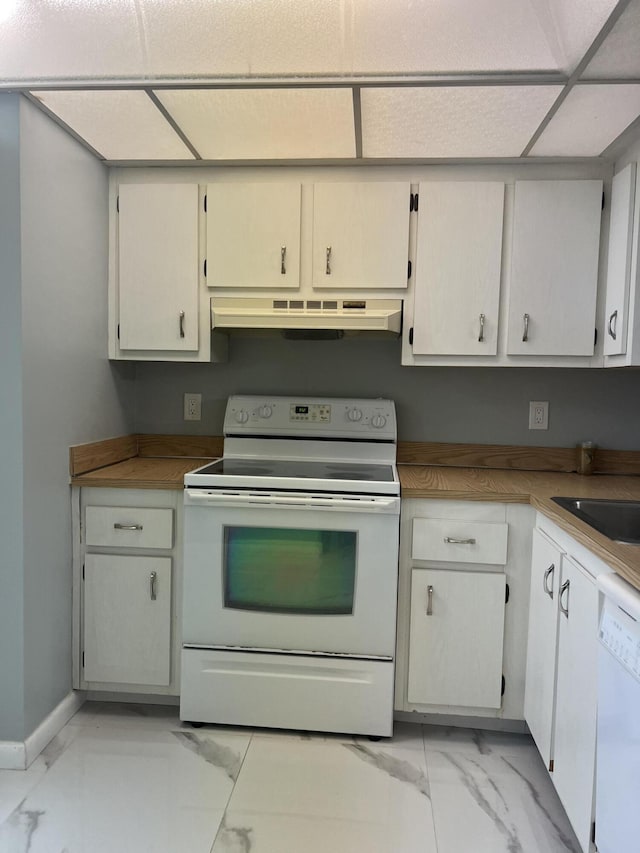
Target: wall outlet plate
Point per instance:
(538, 414)
(192, 407)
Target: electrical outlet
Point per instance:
(538, 415)
(192, 407)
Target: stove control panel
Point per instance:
(311, 417)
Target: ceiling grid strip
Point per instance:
(176, 127)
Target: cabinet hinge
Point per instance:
(205, 204)
(83, 571)
(117, 204)
(507, 593)
(411, 336)
(409, 270)
(551, 766)
(205, 267)
(83, 660)
(593, 831)
(595, 336)
(504, 686)
(118, 331)
(413, 202)
(603, 199)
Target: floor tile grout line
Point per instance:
(433, 811)
(233, 787)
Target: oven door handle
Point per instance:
(232, 500)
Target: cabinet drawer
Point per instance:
(129, 527)
(457, 541)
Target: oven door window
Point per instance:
(284, 570)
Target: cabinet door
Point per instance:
(127, 619)
(158, 266)
(619, 260)
(361, 235)
(554, 267)
(253, 235)
(576, 698)
(540, 685)
(456, 637)
(457, 286)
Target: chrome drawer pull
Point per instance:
(449, 540)
(283, 255)
(525, 330)
(564, 588)
(328, 268)
(118, 526)
(429, 600)
(613, 329)
(153, 592)
(546, 577)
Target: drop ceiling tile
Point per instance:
(452, 122)
(119, 124)
(590, 118)
(619, 55)
(264, 124)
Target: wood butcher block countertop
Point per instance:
(535, 488)
(160, 462)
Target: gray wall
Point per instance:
(57, 389)
(11, 579)
(484, 405)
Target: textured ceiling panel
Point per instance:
(619, 55)
(120, 125)
(477, 121)
(263, 124)
(590, 118)
(93, 39)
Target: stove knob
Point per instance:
(354, 414)
(241, 416)
(265, 411)
(378, 421)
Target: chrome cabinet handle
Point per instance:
(449, 540)
(525, 329)
(328, 269)
(118, 526)
(153, 592)
(564, 588)
(481, 335)
(613, 325)
(546, 577)
(429, 600)
(283, 255)
(182, 324)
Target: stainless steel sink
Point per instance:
(619, 520)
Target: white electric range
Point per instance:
(290, 568)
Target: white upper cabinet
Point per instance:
(158, 267)
(621, 226)
(361, 235)
(554, 268)
(253, 235)
(457, 275)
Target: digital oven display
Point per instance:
(310, 412)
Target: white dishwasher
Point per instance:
(618, 749)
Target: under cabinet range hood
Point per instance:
(305, 318)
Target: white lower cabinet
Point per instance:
(127, 570)
(127, 612)
(456, 638)
(462, 606)
(561, 681)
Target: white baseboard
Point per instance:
(18, 755)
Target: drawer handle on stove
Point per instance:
(365, 504)
(118, 526)
(429, 600)
(449, 540)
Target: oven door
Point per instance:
(301, 572)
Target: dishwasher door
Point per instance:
(618, 749)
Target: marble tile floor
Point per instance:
(133, 779)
